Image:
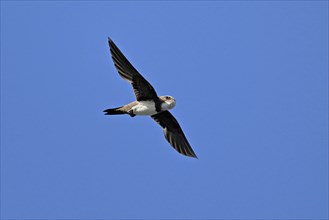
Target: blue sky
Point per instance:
(251, 83)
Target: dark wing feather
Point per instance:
(173, 133)
(142, 88)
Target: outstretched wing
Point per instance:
(174, 133)
(142, 88)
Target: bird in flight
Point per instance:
(148, 103)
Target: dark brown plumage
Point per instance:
(142, 88)
(144, 91)
(173, 133)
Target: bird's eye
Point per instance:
(167, 97)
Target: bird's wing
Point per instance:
(142, 88)
(173, 133)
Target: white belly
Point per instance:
(144, 108)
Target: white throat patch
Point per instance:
(167, 106)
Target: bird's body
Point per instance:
(146, 108)
(148, 103)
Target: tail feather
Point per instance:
(114, 111)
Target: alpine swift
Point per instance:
(148, 103)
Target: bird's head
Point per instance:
(169, 102)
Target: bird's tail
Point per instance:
(115, 111)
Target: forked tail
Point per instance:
(115, 111)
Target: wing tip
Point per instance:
(111, 43)
(193, 156)
(189, 154)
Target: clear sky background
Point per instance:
(251, 83)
